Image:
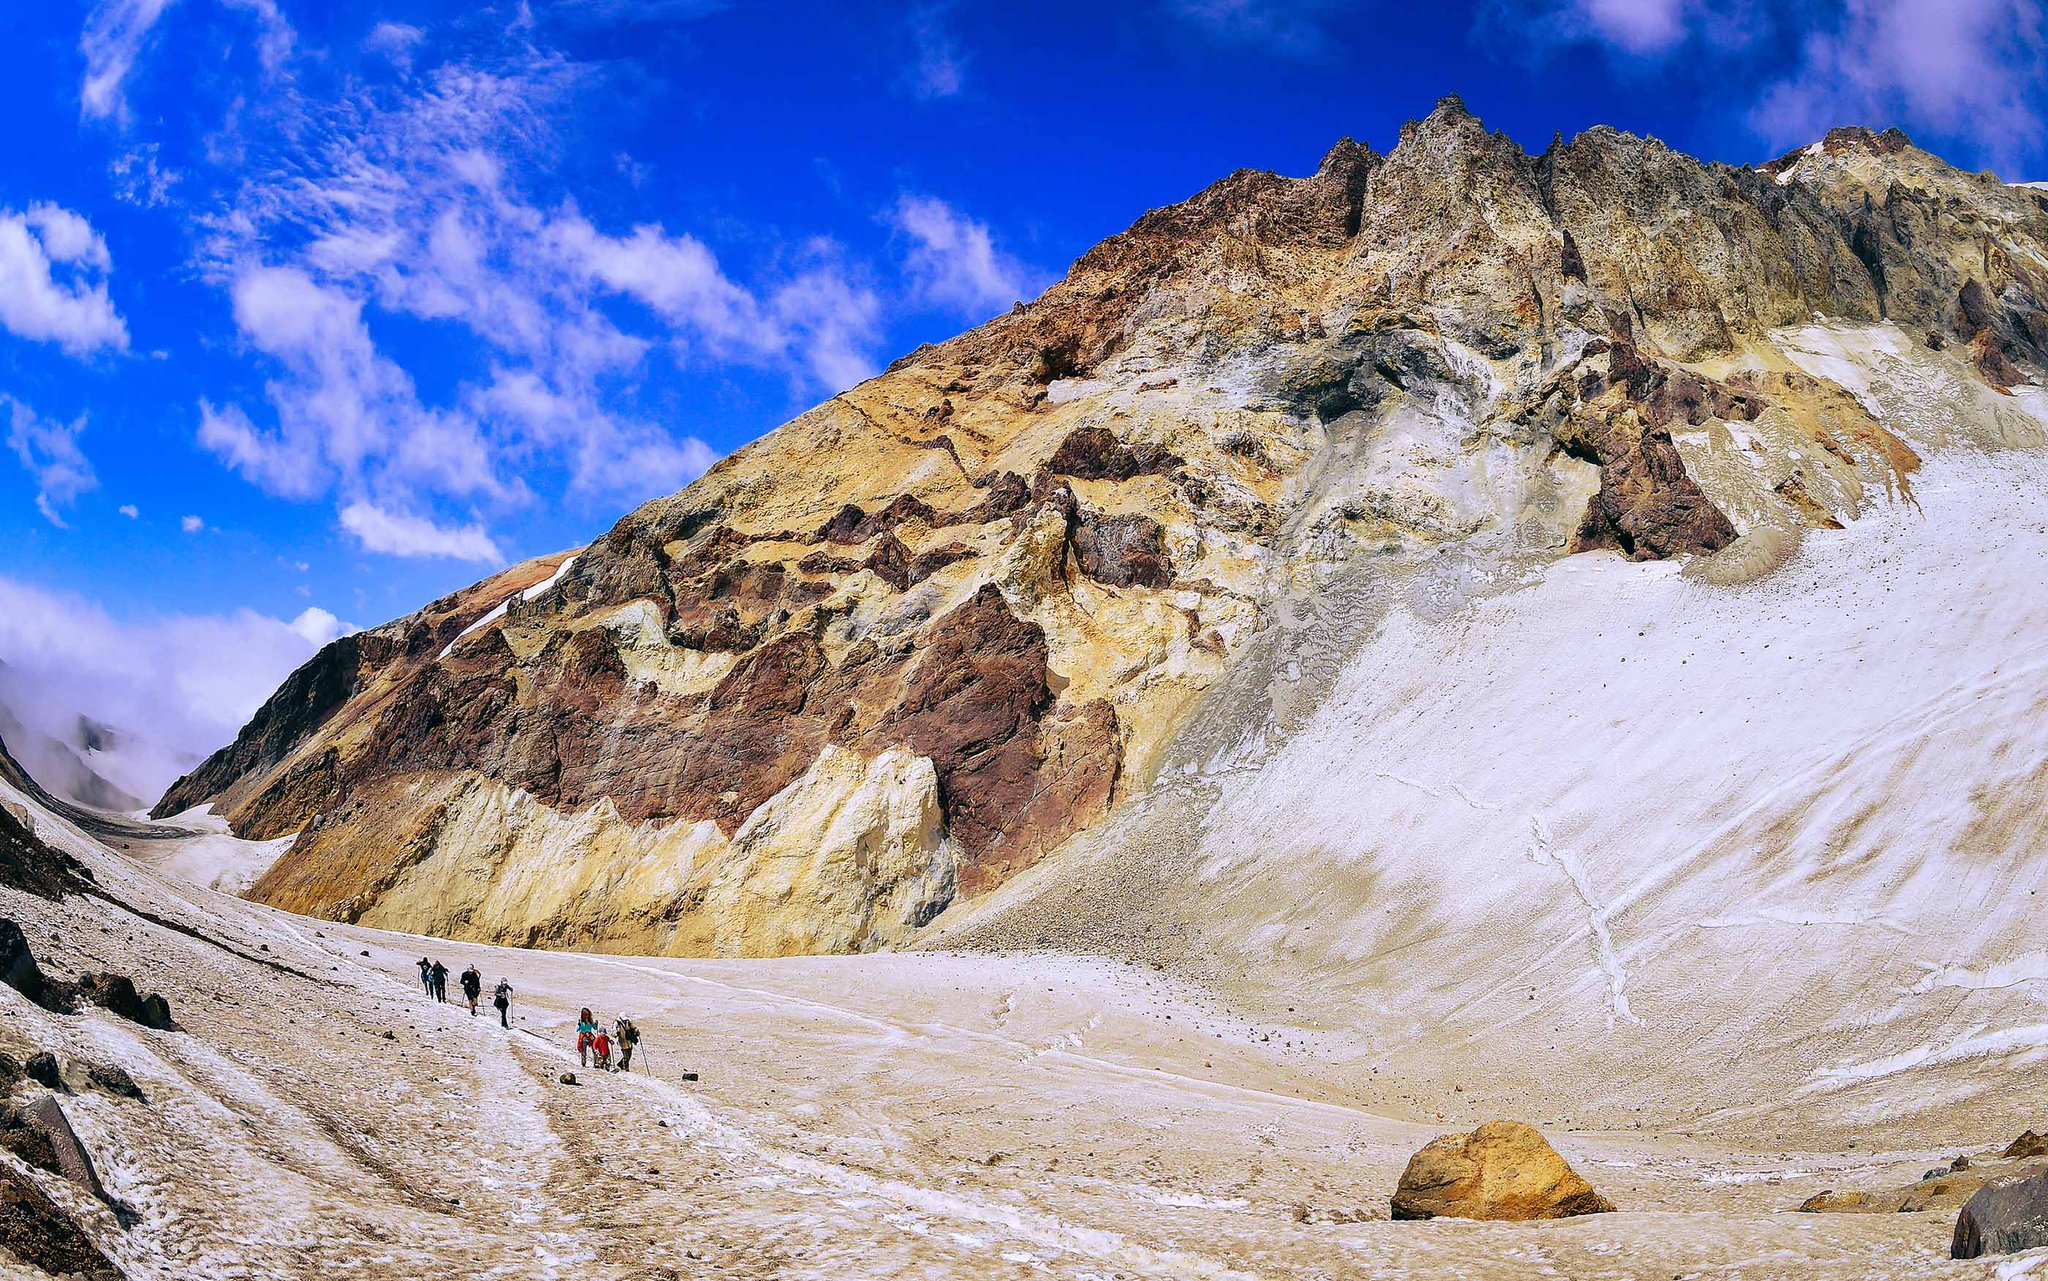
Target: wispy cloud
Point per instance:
(1969, 71)
(939, 69)
(345, 414)
(1290, 28)
(140, 178)
(117, 32)
(49, 450)
(274, 35)
(953, 262)
(1642, 28)
(53, 281)
(114, 34)
(395, 41)
(413, 206)
(399, 534)
(1956, 68)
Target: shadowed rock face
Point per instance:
(1023, 555)
(2004, 1217)
(29, 864)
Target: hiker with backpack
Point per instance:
(472, 988)
(627, 1036)
(502, 998)
(426, 976)
(439, 986)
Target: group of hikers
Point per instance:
(596, 1045)
(434, 978)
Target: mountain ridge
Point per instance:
(909, 644)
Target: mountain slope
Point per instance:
(879, 663)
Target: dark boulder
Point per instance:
(1122, 551)
(18, 969)
(114, 1079)
(2004, 1217)
(37, 1232)
(43, 1070)
(116, 994)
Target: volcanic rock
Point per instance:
(18, 969)
(116, 994)
(1502, 1170)
(2004, 1217)
(34, 1230)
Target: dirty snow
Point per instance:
(498, 611)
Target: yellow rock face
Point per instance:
(849, 858)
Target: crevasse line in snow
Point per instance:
(1543, 852)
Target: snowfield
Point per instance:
(881, 1116)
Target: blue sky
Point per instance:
(311, 312)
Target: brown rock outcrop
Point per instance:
(1502, 1170)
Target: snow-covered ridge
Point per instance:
(498, 611)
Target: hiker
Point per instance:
(472, 988)
(426, 976)
(440, 977)
(586, 1032)
(502, 998)
(628, 1036)
(601, 1050)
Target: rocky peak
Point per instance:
(957, 615)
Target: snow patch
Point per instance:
(498, 611)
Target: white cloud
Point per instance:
(112, 40)
(131, 511)
(953, 261)
(317, 627)
(408, 210)
(275, 37)
(49, 450)
(274, 464)
(830, 320)
(940, 70)
(53, 286)
(178, 686)
(191, 524)
(1291, 28)
(394, 41)
(1637, 28)
(140, 178)
(117, 30)
(675, 275)
(1970, 69)
(398, 534)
